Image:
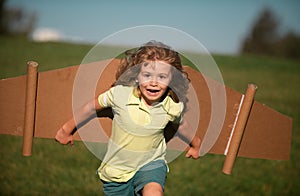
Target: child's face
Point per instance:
(154, 79)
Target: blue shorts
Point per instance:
(155, 171)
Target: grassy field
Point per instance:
(56, 170)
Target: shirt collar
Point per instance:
(133, 100)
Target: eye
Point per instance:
(162, 77)
(146, 75)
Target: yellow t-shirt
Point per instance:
(137, 132)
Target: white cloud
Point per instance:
(47, 34)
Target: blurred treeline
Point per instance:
(16, 21)
(266, 39)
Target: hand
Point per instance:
(193, 153)
(64, 138)
(194, 148)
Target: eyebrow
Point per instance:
(160, 73)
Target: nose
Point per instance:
(153, 81)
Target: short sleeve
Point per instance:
(176, 111)
(106, 99)
(178, 119)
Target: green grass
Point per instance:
(56, 170)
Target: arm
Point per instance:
(65, 134)
(185, 133)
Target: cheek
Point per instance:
(142, 86)
(165, 82)
(164, 88)
(142, 80)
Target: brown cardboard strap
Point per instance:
(239, 128)
(31, 91)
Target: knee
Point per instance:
(152, 188)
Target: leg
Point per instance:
(152, 189)
(150, 179)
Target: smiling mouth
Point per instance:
(153, 91)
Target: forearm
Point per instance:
(186, 133)
(193, 141)
(190, 137)
(80, 116)
(196, 142)
(69, 126)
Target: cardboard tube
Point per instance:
(239, 129)
(31, 91)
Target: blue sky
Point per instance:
(219, 25)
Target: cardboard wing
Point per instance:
(267, 133)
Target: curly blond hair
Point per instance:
(154, 51)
